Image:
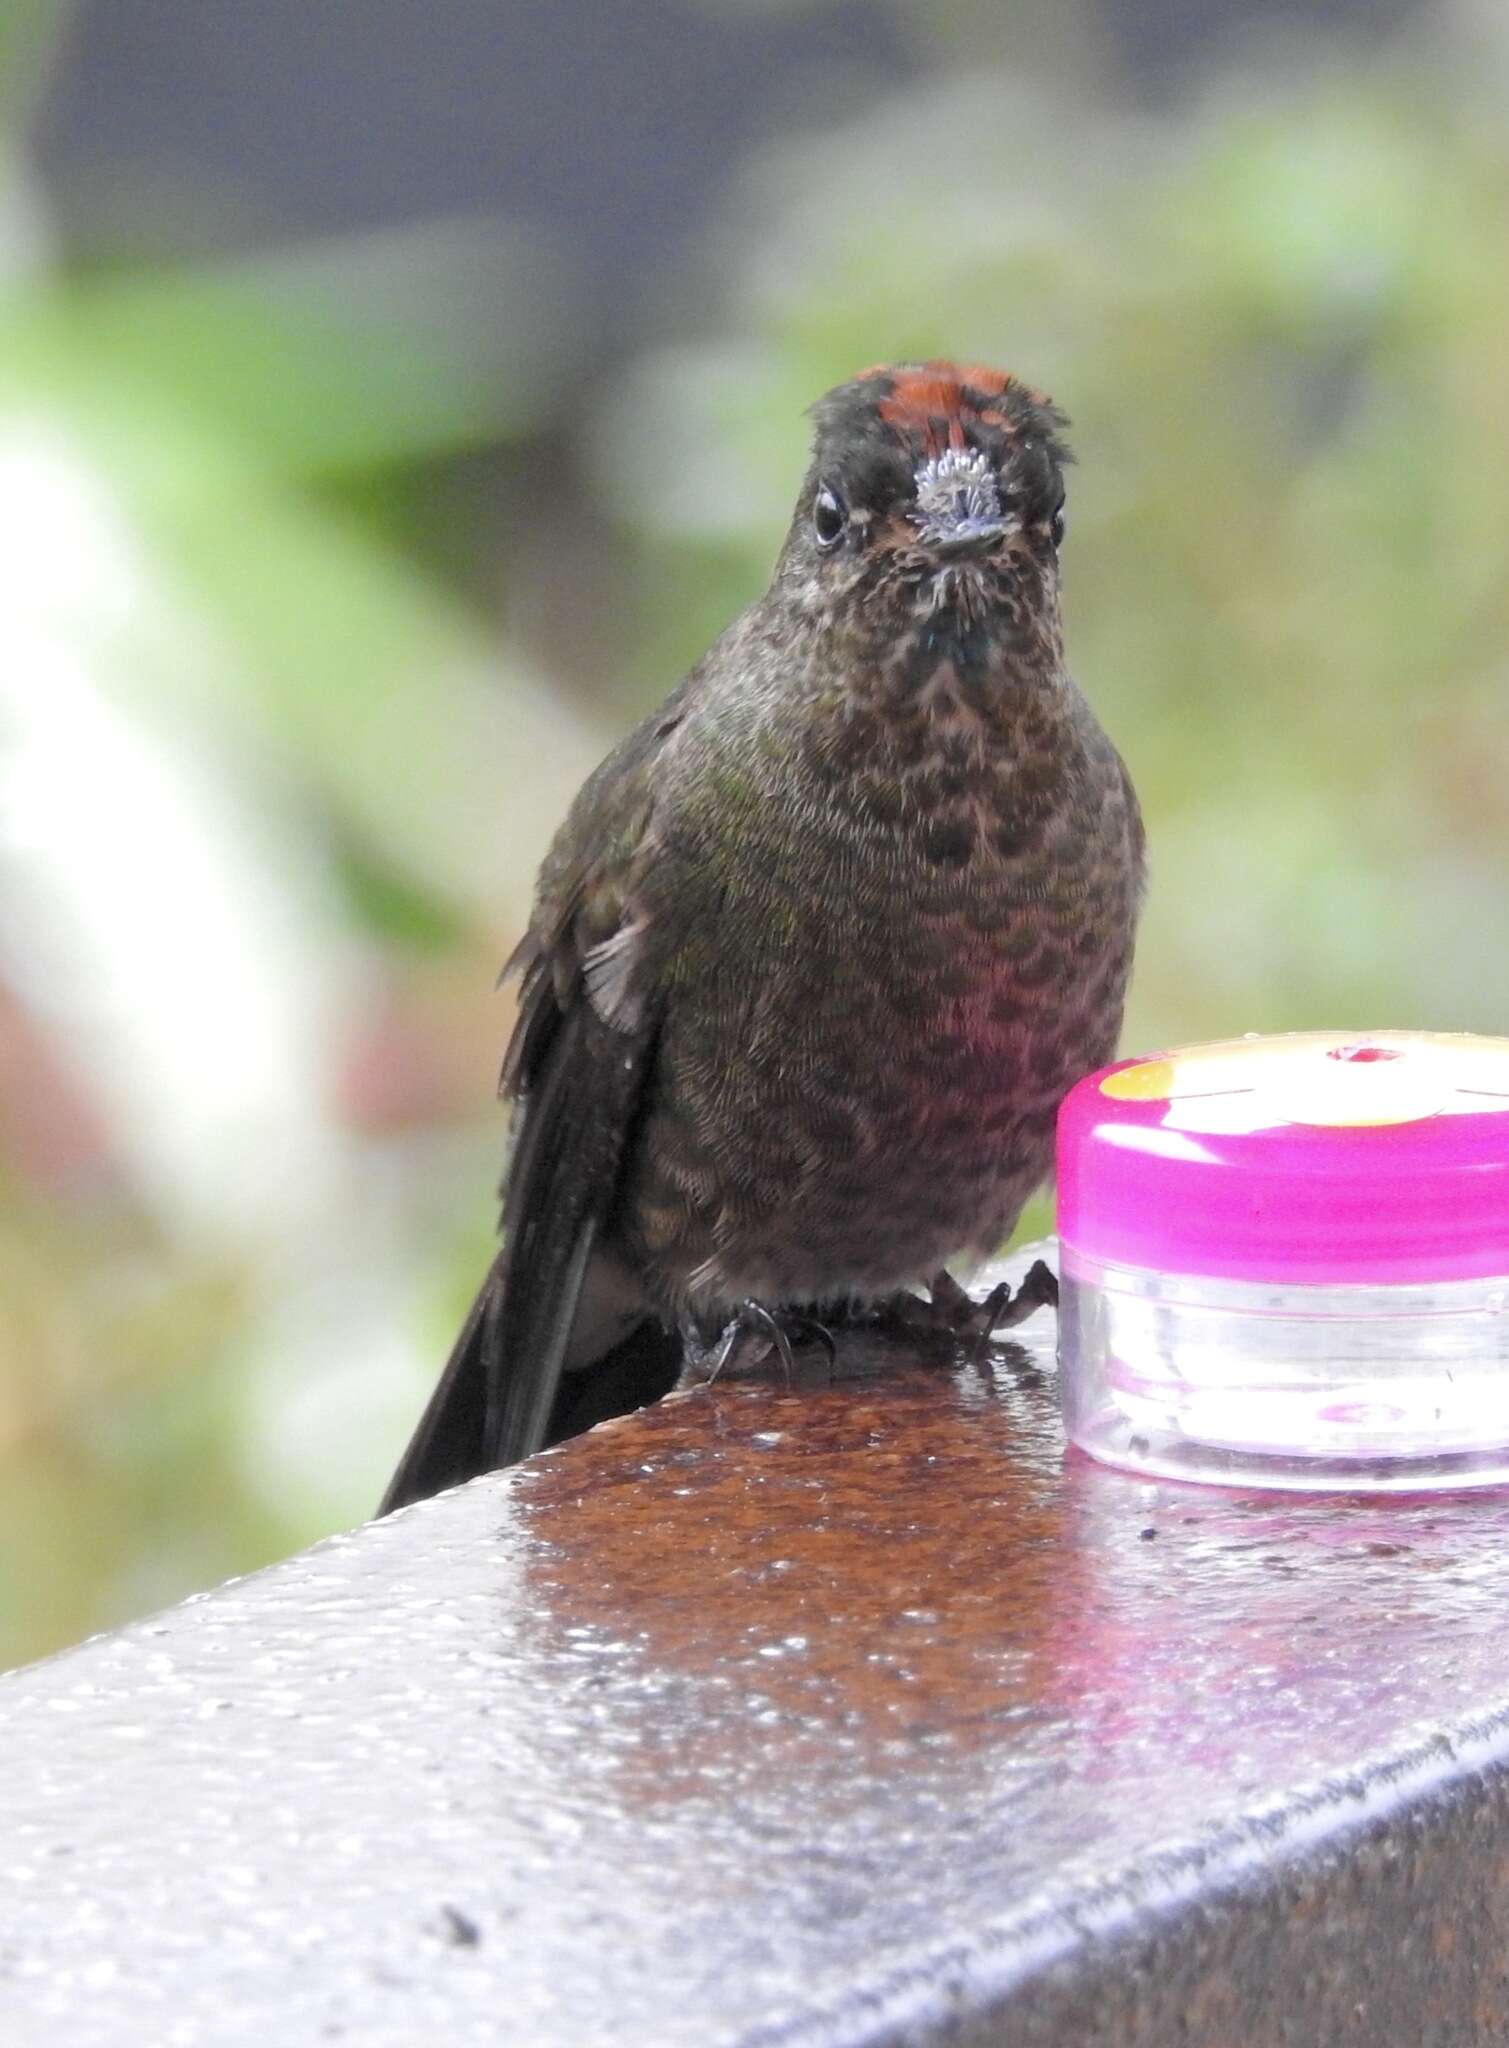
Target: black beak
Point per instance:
(966, 536)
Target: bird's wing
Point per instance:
(577, 1068)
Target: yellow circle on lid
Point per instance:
(1330, 1079)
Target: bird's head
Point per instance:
(936, 486)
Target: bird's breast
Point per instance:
(896, 966)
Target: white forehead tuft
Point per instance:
(956, 489)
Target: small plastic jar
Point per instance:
(1285, 1262)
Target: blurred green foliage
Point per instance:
(1279, 322)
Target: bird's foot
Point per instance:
(953, 1312)
(750, 1337)
(958, 1311)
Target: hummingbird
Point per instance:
(819, 948)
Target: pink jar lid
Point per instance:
(1325, 1157)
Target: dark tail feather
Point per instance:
(449, 1444)
(640, 1368)
(497, 1397)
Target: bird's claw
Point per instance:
(1003, 1310)
(954, 1313)
(773, 1329)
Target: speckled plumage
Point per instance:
(821, 946)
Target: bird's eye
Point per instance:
(1057, 525)
(828, 517)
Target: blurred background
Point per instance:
(393, 400)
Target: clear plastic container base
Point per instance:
(1320, 1388)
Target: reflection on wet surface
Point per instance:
(894, 1560)
(786, 1715)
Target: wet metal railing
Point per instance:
(844, 1713)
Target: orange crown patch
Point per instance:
(931, 400)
